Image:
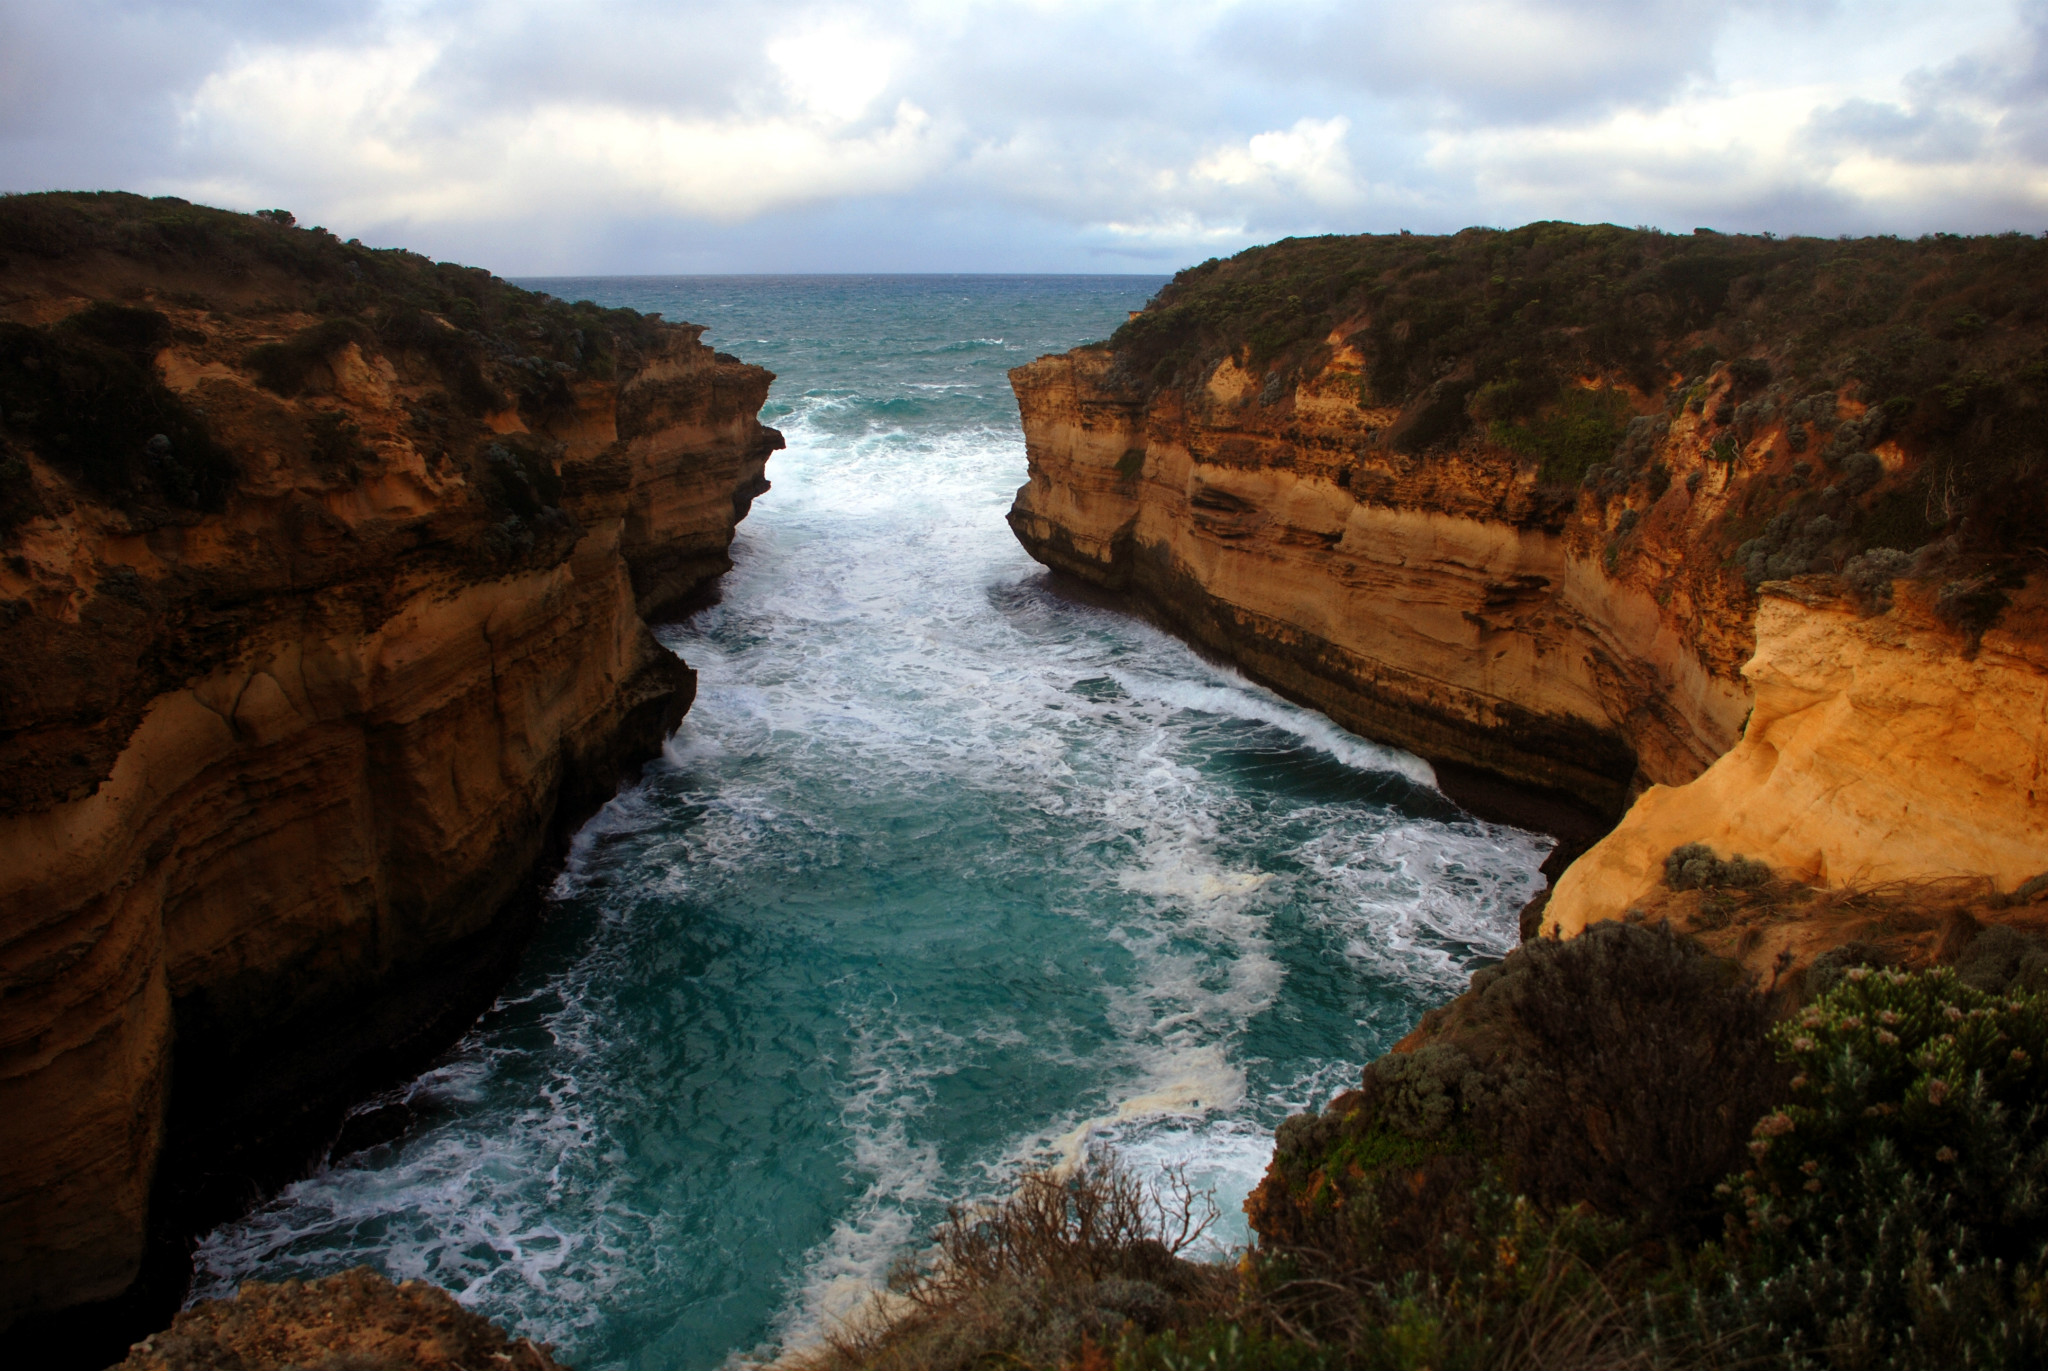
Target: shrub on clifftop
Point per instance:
(1897, 1209)
(1620, 1070)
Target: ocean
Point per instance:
(947, 874)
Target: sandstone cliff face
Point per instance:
(1880, 753)
(1563, 505)
(279, 773)
(1441, 604)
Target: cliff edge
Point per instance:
(324, 577)
(1567, 507)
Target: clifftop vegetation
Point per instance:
(83, 392)
(1580, 348)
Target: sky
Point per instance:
(669, 136)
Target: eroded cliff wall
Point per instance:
(1561, 505)
(1882, 752)
(314, 647)
(1444, 603)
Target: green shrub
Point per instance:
(1620, 1069)
(1826, 970)
(1896, 1213)
(1575, 434)
(88, 395)
(2001, 958)
(336, 444)
(453, 353)
(1695, 867)
(1439, 416)
(286, 367)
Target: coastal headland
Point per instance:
(1719, 539)
(326, 582)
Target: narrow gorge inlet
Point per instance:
(641, 822)
(948, 872)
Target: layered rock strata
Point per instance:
(1568, 507)
(1439, 603)
(284, 755)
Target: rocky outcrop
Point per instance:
(300, 701)
(1564, 507)
(1438, 603)
(354, 1319)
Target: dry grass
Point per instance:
(1064, 1266)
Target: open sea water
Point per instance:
(947, 874)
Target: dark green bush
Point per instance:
(88, 396)
(1824, 971)
(1438, 417)
(136, 333)
(454, 354)
(17, 488)
(1620, 1069)
(2001, 959)
(286, 367)
(336, 443)
(1579, 431)
(1896, 1213)
(1695, 867)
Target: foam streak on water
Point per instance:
(944, 875)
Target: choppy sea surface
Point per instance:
(946, 874)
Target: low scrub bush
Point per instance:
(1065, 1264)
(1695, 867)
(1896, 1212)
(286, 367)
(86, 393)
(1580, 431)
(1620, 1070)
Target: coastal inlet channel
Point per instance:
(946, 874)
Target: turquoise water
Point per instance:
(943, 876)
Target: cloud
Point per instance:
(1924, 136)
(370, 135)
(1028, 134)
(1309, 160)
(1486, 60)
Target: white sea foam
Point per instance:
(944, 877)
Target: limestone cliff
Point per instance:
(323, 610)
(1435, 602)
(1512, 500)
(1879, 754)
